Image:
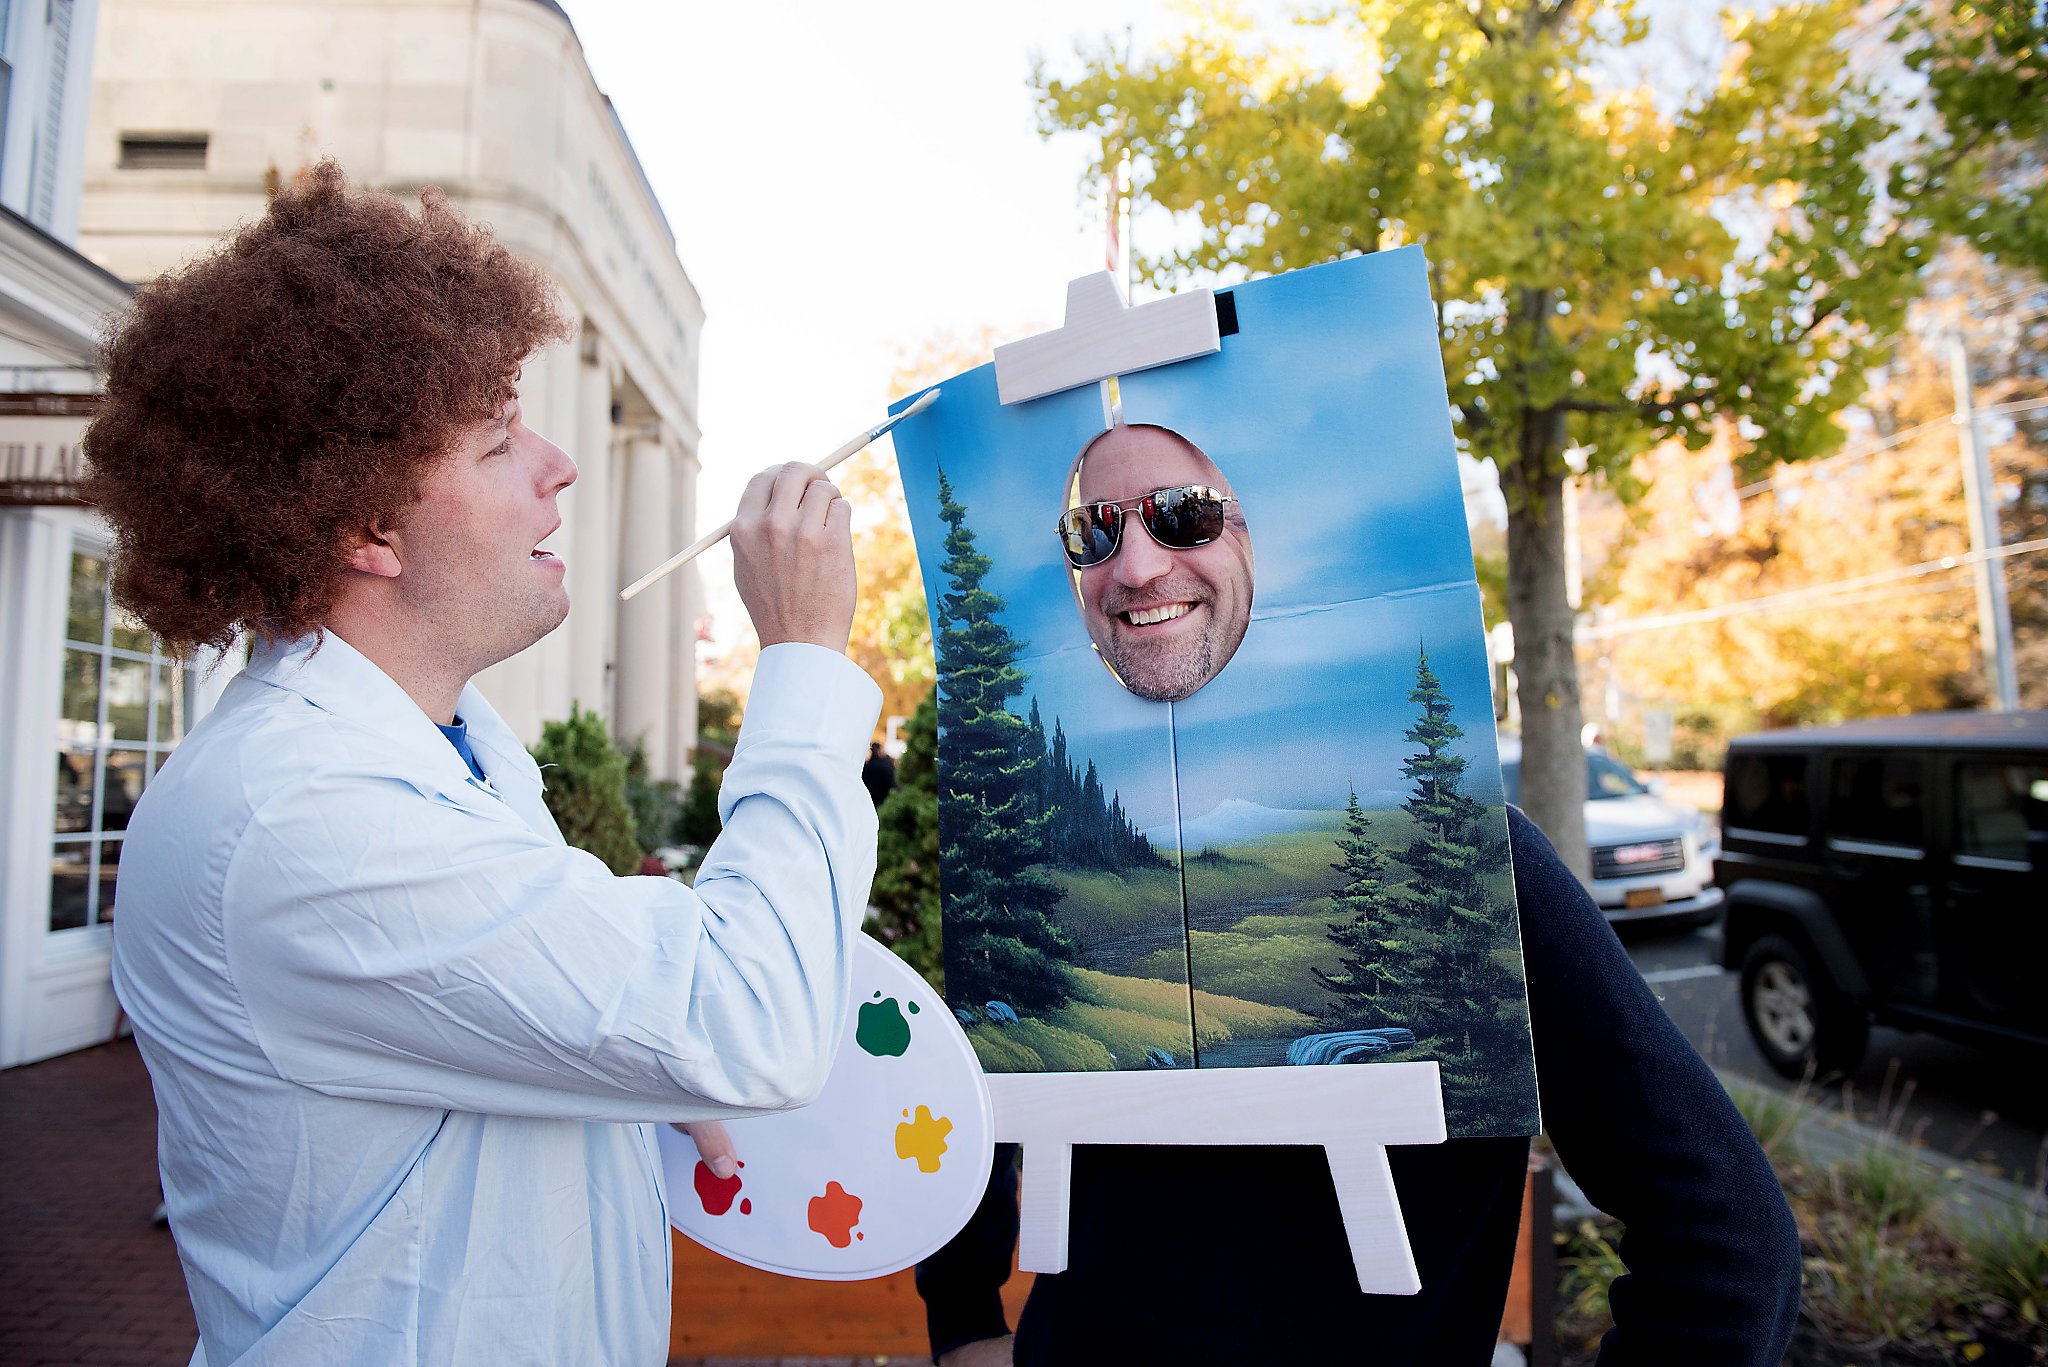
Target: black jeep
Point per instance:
(1891, 871)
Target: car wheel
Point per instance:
(1797, 1019)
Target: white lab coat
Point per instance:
(401, 1035)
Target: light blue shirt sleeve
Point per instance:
(392, 945)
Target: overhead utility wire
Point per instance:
(1817, 593)
(1898, 438)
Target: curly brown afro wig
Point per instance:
(272, 399)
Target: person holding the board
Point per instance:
(407, 1046)
(1202, 1254)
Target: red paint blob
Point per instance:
(715, 1192)
(746, 1207)
(835, 1214)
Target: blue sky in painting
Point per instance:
(1327, 412)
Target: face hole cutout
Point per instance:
(1158, 553)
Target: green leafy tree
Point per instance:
(1986, 67)
(585, 788)
(1615, 262)
(1383, 962)
(906, 891)
(1003, 942)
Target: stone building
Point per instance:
(197, 110)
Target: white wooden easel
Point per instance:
(1352, 1110)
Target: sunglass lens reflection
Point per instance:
(1185, 518)
(1090, 539)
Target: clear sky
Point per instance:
(846, 181)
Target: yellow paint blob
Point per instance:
(923, 1139)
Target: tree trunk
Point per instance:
(1546, 668)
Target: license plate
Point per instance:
(1643, 897)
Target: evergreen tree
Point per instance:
(906, 890)
(1003, 943)
(584, 778)
(1478, 1019)
(1384, 961)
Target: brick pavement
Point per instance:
(88, 1281)
(85, 1279)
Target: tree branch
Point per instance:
(1473, 9)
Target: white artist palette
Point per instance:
(881, 1170)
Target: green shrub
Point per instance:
(905, 896)
(584, 778)
(1773, 1117)
(698, 822)
(656, 803)
(1587, 1267)
(2009, 1256)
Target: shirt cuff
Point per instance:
(810, 695)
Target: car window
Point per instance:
(1876, 798)
(1998, 806)
(1605, 778)
(1767, 793)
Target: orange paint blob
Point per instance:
(835, 1214)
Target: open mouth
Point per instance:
(1165, 612)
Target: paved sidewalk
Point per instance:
(85, 1279)
(89, 1282)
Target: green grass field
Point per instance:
(1259, 914)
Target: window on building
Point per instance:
(1875, 799)
(1767, 793)
(163, 151)
(2000, 808)
(125, 708)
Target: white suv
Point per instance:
(1652, 860)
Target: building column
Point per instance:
(593, 594)
(689, 604)
(643, 687)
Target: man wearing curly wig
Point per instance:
(406, 1044)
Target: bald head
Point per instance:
(1164, 619)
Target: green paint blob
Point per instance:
(881, 1030)
(913, 1008)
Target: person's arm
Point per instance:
(1648, 1133)
(389, 945)
(962, 1283)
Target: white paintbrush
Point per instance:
(718, 534)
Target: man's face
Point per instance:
(1165, 620)
(469, 548)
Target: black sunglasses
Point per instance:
(1180, 519)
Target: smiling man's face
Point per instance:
(1165, 620)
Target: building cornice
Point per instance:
(56, 288)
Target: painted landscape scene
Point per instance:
(1303, 862)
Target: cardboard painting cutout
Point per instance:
(1219, 795)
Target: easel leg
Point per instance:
(1372, 1218)
(1044, 1197)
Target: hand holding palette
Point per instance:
(878, 1172)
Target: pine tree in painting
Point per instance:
(1002, 944)
(1478, 1024)
(1372, 945)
